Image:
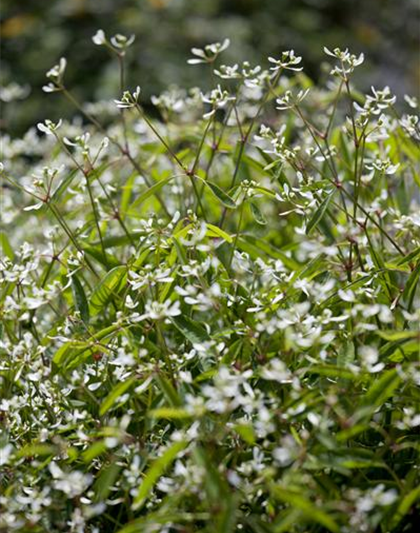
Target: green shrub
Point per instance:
(210, 319)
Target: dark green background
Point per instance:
(36, 33)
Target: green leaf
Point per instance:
(97, 254)
(79, 297)
(215, 485)
(191, 330)
(156, 469)
(381, 389)
(116, 240)
(331, 371)
(398, 335)
(312, 513)
(127, 190)
(95, 450)
(168, 390)
(319, 214)
(105, 481)
(6, 246)
(411, 285)
(215, 231)
(169, 413)
(113, 396)
(246, 431)
(64, 185)
(69, 350)
(72, 353)
(410, 257)
(257, 247)
(149, 192)
(404, 507)
(108, 287)
(225, 199)
(36, 449)
(258, 216)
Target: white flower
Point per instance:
(412, 101)
(14, 91)
(99, 38)
(347, 62)
(157, 311)
(209, 53)
(5, 453)
(121, 42)
(289, 101)
(276, 370)
(129, 99)
(71, 483)
(218, 98)
(288, 61)
(56, 74)
(48, 127)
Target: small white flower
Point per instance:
(288, 61)
(56, 74)
(209, 53)
(99, 38)
(48, 127)
(129, 99)
(121, 42)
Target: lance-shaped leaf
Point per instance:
(108, 287)
(79, 297)
(224, 198)
(156, 469)
(319, 214)
(115, 394)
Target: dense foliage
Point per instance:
(210, 321)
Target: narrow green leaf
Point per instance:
(79, 297)
(105, 481)
(113, 396)
(149, 192)
(97, 254)
(319, 214)
(156, 469)
(169, 413)
(215, 231)
(6, 246)
(69, 350)
(311, 512)
(36, 449)
(398, 335)
(382, 388)
(405, 506)
(246, 431)
(191, 330)
(258, 216)
(108, 287)
(225, 199)
(411, 285)
(95, 450)
(168, 390)
(409, 257)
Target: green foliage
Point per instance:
(210, 319)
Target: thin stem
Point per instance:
(90, 193)
(235, 242)
(244, 139)
(121, 148)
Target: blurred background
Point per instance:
(36, 33)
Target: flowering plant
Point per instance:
(210, 322)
